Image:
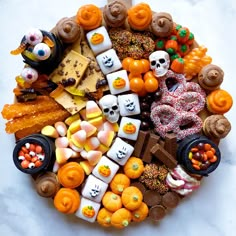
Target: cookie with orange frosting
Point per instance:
(219, 101)
(89, 17)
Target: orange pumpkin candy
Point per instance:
(121, 218)
(111, 201)
(132, 198)
(119, 183)
(134, 167)
(140, 213)
(104, 217)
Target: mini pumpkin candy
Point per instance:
(119, 183)
(97, 38)
(104, 217)
(177, 65)
(111, 201)
(88, 211)
(140, 213)
(134, 167)
(121, 218)
(129, 128)
(119, 83)
(104, 170)
(132, 198)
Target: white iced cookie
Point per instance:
(99, 40)
(105, 169)
(120, 151)
(94, 189)
(88, 210)
(108, 61)
(129, 104)
(118, 82)
(129, 128)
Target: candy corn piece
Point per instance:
(61, 142)
(72, 118)
(94, 157)
(88, 128)
(91, 143)
(97, 122)
(88, 168)
(79, 138)
(110, 126)
(106, 137)
(102, 148)
(61, 128)
(49, 131)
(92, 110)
(75, 126)
(63, 154)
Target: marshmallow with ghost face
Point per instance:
(108, 61)
(110, 107)
(159, 63)
(129, 104)
(120, 151)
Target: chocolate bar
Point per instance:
(171, 144)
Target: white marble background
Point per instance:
(210, 211)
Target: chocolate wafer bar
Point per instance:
(171, 144)
(162, 155)
(140, 143)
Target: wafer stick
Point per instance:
(42, 103)
(30, 120)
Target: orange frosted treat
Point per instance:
(89, 17)
(140, 16)
(67, 200)
(71, 175)
(219, 101)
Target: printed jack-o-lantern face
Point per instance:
(97, 38)
(88, 211)
(119, 83)
(104, 170)
(129, 128)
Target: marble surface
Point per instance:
(209, 211)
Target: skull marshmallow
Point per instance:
(159, 63)
(110, 107)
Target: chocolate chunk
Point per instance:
(138, 147)
(170, 200)
(162, 155)
(152, 198)
(140, 186)
(157, 212)
(147, 156)
(171, 144)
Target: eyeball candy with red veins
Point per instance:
(42, 51)
(29, 75)
(34, 36)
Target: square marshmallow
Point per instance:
(108, 61)
(105, 169)
(129, 104)
(94, 189)
(129, 128)
(118, 82)
(120, 151)
(90, 206)
(94, 39)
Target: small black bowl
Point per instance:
(48, 65)
(46, 143)
(183, 153)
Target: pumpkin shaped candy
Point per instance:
(111, 201)
(140, 213)
(134, 167)
(132, 198)
(121, 218)
(104, 217)
(119, 183)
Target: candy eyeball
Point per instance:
(29, 75)
(41, 157)
(34, 36)
(31, 165)
(42, 51)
